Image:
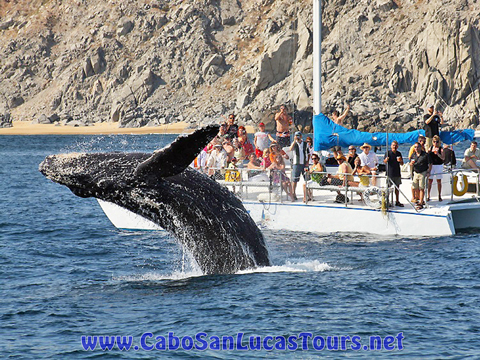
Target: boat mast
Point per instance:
(317, 57)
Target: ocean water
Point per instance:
(66, 272)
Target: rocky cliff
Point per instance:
(151, 62)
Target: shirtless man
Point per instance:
(339, 119)
(283, 121)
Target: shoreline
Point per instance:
(106, 128)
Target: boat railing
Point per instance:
(373, 196)
(240, 179)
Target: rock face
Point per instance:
(150, 62)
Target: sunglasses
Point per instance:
(435, 141)
(352, 149)
(314, 158)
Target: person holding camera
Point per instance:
(433, 120)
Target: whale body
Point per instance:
(204, 216)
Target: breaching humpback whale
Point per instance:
(204, 216)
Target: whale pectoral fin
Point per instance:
(175, 158)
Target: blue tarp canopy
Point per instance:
(327, 134)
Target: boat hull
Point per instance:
(124, 219)
(339, 218)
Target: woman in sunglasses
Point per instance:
(437, 156)
(313, 171)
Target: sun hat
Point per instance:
(261, 124)
(340, 157)
(298, 133)
(365, 145)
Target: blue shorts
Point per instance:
(297, 170)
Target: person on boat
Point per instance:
(228, 147)
(244, 142)
(266, 162)
(239, 152)
(393, 160)
(313, 171)
(336, 151)
(232, 128)
(337, 118)
(310, 150)
(421, 140)
(352, 155)
(433, 119)
(200, 161)
(369, 162)
(261, 140)
(343, 177)
(358, 170)
(344, 174)
(437, 158)
(217, 160)
(472, 154)
(274, 150)
(450, 158)
(283, 120)
(421, 169)
(254, 166)
(222, 132)
(300, 160)
(279, 177)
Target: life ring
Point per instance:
(232, 175)
(463, 190)
(372, 197)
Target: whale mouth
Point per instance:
(65, 169)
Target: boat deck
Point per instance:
(367, 208)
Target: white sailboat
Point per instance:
(459, 210)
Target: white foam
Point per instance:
(154, 276)
(289, 267)
(306, 266)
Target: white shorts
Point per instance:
(436, 172)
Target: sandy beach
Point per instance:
(27, 128)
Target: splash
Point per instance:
(289, 267)
(307, 266)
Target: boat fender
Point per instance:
(372, 197)
(463, 189)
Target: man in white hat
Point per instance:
(217, 160)
(369, 162)
(433, 120)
